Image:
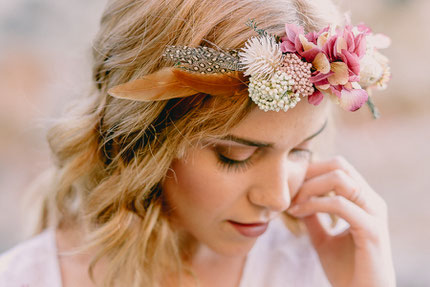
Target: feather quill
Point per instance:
(169, 83)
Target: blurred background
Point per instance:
(45, 62)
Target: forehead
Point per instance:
(283, 129)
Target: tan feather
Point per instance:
(158, 86)
(217, 84)
(169, 83)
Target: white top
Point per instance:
(281, 259)
(278, 259)
(32, 263)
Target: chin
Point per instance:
(232, 248)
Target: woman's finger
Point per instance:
(338, 162)
(373, 201)
(358, 219)
(318, 233)
(336, 180)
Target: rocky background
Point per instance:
(44, 63)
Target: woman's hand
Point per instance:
(361, 255)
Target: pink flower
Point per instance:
(349, 98)
(335, 57)
(289, 42)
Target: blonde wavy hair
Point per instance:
(111, 155)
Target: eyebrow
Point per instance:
(250, 142)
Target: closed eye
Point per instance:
(296, 154)
(301, 153)
(236, 165)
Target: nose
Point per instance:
(270, 188)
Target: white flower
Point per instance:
(261, 57)
(374, 70)
(274, 94)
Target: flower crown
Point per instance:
(274, 71)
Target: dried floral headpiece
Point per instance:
(276, 72)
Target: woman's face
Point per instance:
(233, 179)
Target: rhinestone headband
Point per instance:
(276, 72)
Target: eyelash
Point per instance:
(240, 166)
(236, 165)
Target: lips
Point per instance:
(251, 229)
(250, 224)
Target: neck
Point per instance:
(199, 256)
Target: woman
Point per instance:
(167, 177)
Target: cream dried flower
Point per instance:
(261, 57)
(274, 94)
(375, 71)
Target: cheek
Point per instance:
(199, 188)
(297, 178)
(190, 183)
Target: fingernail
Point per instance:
(299, 201)
(293, 209)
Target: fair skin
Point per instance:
(203, 194)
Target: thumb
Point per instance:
(317, 232)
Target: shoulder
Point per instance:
(280, 256)
(31, 263)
